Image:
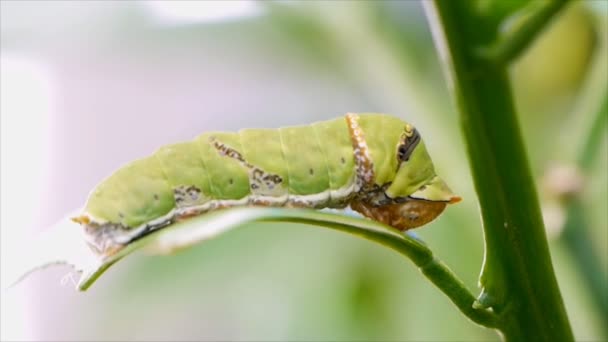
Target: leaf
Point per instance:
(64, 244)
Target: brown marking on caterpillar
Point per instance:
(259, 179)
(262, 202)
(376, 196)
(363, 162)
(300, 203)
(186, 196)
(188, 214)
(263, 180)
(108, 238)
(102, 237)
(193, 192)
(276, 179)
(407, 215)
(225, 150)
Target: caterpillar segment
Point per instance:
(376, 163)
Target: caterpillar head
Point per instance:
(416, 195)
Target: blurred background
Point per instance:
(88, 86)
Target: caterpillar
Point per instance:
(375, 163)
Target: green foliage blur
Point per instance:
(273, 282)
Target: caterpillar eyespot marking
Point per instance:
(375, 163)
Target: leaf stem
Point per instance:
(432, 268)
(525, 29)
(438, 273)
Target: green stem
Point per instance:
(517, 278)
(580, 245)
(576, 234)
(438, 273)
(593, 137)
(516, 40)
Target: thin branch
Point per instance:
(592, 143)
(576, 234)
(437, 272)
(526, 29)
(432, 268)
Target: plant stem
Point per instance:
(515, 41)
(575, 234)
(517, 278)
(580, 245)
(592, 139)
(438, 273)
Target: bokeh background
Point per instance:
(87, 86)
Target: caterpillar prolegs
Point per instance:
(376, 163)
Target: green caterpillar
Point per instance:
(375, 163)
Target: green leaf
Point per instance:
(64, 244)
